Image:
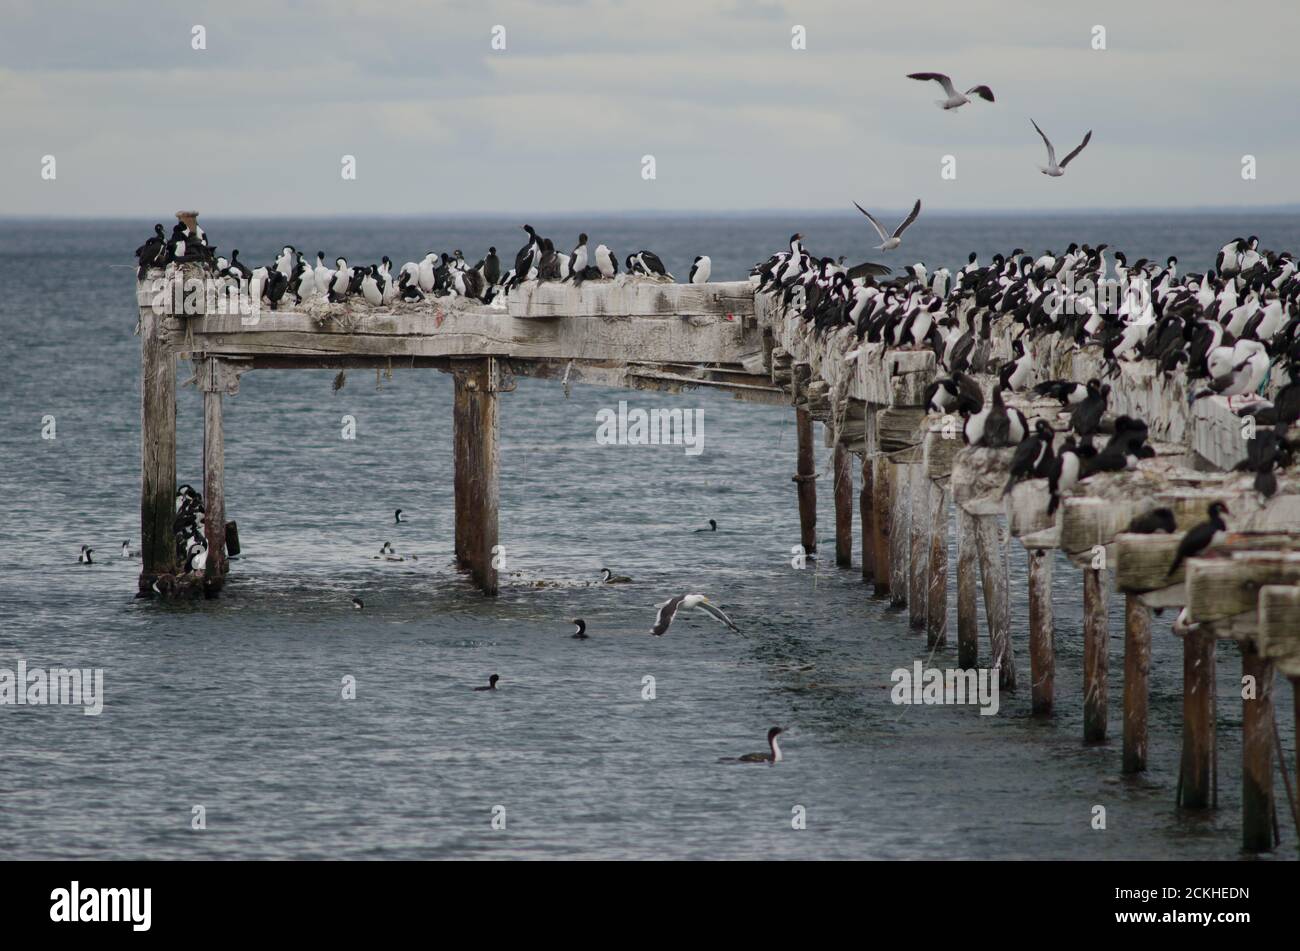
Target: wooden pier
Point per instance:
(913, 471)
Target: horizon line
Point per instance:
(684, 212)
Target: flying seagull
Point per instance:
(668, 611)
(955, 99)
(1054, 170)
(894, 240)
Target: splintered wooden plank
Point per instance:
(1142, 562)
(461, 333)
(1224, 588)
(630, 297)
(1277, 634)
(1087, 522)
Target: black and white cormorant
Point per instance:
(771, 757)
(1200, 537)
(1155, 522)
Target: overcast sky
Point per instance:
(140, 123)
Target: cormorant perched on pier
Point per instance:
(528, 256)
(1086, 416)
(701, 269)
(492, 268)
(1200, 537)
(1064, 474)
(646, 262)
(1067, 392)
(1033, 457)
(1156, 521)
(606, 262)
(153, 253)
(548, 265)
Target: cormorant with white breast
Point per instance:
(771, 757)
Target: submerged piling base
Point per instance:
(474, 426)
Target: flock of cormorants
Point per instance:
(1229, 329)
(292, 275)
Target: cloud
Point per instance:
(439, 121)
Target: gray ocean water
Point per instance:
(235, 704)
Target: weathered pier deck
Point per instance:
(914, 471)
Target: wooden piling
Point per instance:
(918, 599)
(882, 523)
(968, 650)
(1137, 670)
(806, 479)
(1257, 753)
(1042, 646)
(899, 541)
(475, 472)
(1096, 655)
(865, 499)
(936, 614)
(1198, 719)
(212, 383)
(993, 579)
(843, 507)
(157, 451)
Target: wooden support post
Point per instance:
(1096, 655)
(918, 599)
(1137, 669)
(475, 477)
(936, 613)
(968, 648)
(806, 479)
(157, 451)
(865, 500)
(993, 579)
(214, 476)
(1198, 719)
(843, 507)
(882, 524)
(1257, 753)
(1042, 636)
(899, 541)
